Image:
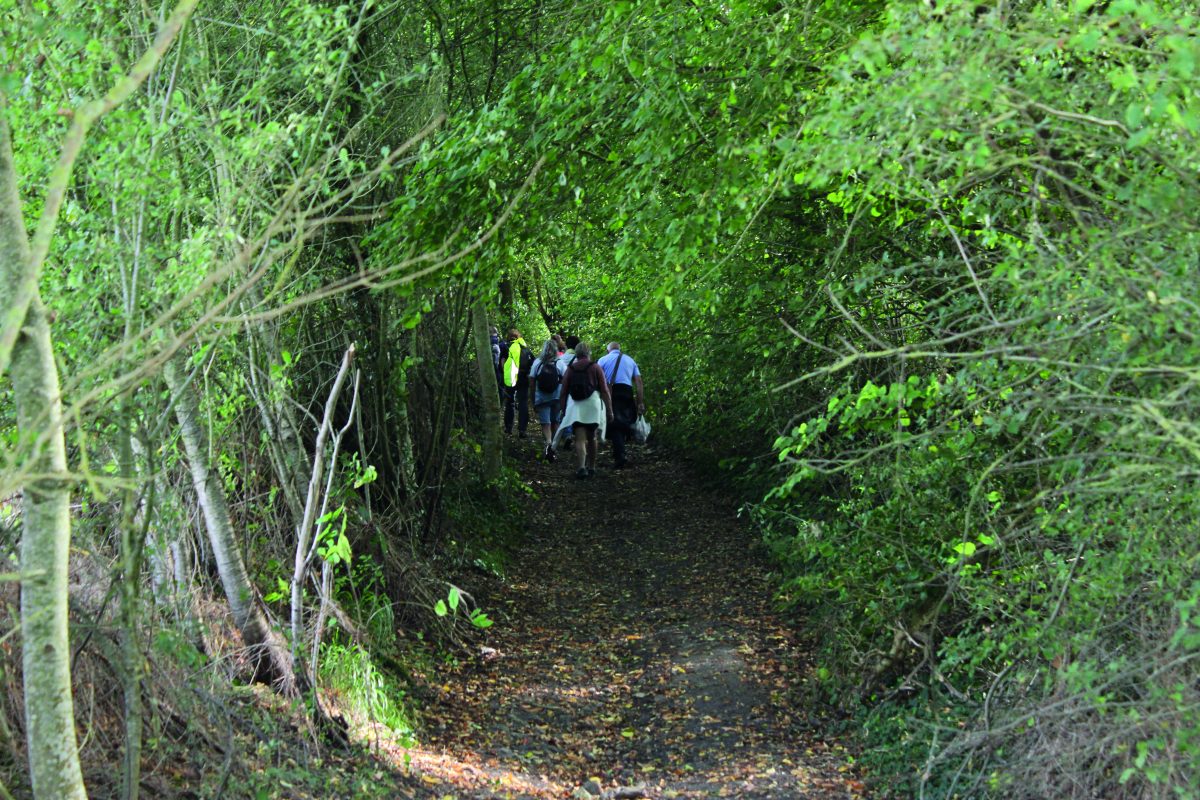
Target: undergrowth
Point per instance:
(367, 696)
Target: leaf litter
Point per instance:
(636, 653)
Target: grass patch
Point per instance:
(368, 697)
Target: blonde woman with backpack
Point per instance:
(545, 380)
(586, 405)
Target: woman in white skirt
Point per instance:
(586, 406)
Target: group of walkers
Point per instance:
(572, 395)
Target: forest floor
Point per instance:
(635, 648)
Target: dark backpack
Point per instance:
(525, 363)
(547, 377)
(579, 383)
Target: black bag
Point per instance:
(547, 377)
(624, 405)
(526, 361)
(579, 383)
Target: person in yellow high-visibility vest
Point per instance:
(517, 362)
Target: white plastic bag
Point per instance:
(641, 430)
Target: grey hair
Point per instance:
(614, 346)
(549, 351)
(583, 350)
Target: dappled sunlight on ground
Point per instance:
(444, 773)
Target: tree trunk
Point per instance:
(304, 530)
(164, 549)
(46, 528)
(132, 548)
(489, 397)
(506, 300)
(542, 295)
(285, 447)
(408, 454)
(45, 541)
(272, 662)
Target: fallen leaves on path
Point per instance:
(635, 652)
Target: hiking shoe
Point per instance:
(550, 454)
(581, 473)
(591, 473)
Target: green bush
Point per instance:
(997, 506)
(367, 696)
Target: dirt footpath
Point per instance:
(635, 650)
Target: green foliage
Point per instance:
(334, 546)
(450, 607)
(369, 696)
(365, 596)
(173, 645)
(963, 509)
(485, 523)
(945, 250)
(941, 255)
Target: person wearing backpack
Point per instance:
(586, 406)
(517, 363)
(567, 439)
(497, 361)
(625, 382)
(546, 381)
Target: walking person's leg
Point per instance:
(508, 408)
(522, 406)
(593, 442)
(545, 413)
(555, 416)
(582, 435)
(624, 412)
(617, 436)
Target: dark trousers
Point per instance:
(519, 396)
(624, 415)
